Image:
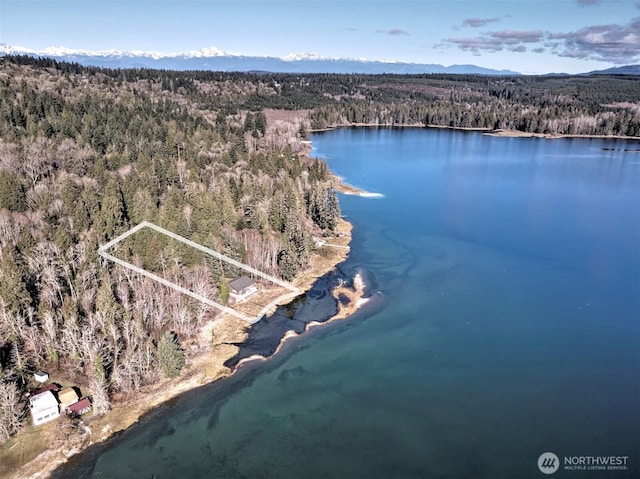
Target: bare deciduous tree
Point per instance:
(38, 160)
(261, 251)
(11, 409)
(100, 396)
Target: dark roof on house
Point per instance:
(48, 387)
(241, 283)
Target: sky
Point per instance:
(528, 36)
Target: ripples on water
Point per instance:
(510, 278)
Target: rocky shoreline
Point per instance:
(214, 354)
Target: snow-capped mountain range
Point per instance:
(214, 59)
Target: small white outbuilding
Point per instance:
(41, 377)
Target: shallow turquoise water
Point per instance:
(508, 325)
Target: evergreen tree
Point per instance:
(288, 262)
(13, 282)
(113, 211)
(261, 123)
(170, 356)
(249, 123)
(302, 131)
(12, 194)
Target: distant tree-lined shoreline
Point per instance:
(86, 153)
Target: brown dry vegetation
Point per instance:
(35, 452)
(31, 454)
(85, 155)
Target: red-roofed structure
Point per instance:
(81, 407)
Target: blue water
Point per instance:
(507, 325)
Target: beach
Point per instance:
(35, 453)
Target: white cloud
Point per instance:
(609, 43)
(478, 22)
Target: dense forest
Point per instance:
(548, 105)
(220, 158)
(83, 157)
(571, 105)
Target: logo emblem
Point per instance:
(548, 463)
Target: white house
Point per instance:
(43, 407)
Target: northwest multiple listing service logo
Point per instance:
(549, 463)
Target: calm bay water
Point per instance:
(507, 324)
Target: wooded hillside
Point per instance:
(86, 153)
